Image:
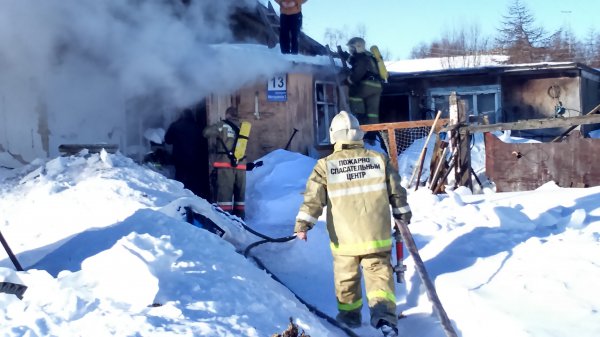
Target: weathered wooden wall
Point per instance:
(528, 98)
(275, 121)
(523, 167)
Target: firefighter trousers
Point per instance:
(379, 285)
(364, 99)
(230, 189)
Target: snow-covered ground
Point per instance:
(107, 252)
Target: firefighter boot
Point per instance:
(352, 319)
(387, 329)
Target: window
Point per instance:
(475, 101)
(326, 106)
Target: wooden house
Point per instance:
(291, 109)
(496, 93)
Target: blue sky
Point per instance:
(399, 25)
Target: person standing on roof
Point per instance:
(290, 22)
(358, 186)
(364, 82)
(230, 164)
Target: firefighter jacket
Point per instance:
(223, 148)
(364, 68)
(358, 186)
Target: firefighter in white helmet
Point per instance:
(357, 185)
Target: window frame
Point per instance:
(330, 109)
(472, 91)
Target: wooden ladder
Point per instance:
(271, 20)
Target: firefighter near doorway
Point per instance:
(230, 165)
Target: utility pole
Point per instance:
(567, 24)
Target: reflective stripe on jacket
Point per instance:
(219, 164)
(357, 186)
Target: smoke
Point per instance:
(88, 59)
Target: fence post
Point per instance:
(462, 171)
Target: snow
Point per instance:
(107, 252)
(441, 63)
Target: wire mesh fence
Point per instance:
(400, 137)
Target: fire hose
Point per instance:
(267, 239)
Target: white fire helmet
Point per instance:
(345, 127)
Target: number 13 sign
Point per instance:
(277, 89)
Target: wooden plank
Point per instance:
(392, 142)
(419, 166)
(564, 134)
(532, 124)
(460, 140)
(429, 286)
(402, 125)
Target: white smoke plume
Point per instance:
(89, 59)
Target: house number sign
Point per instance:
(277, 89)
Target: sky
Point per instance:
(398, 25)
(107, 252)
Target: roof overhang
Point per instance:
(502, 70)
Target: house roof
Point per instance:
(400, 70)
(273, 54)
(443, 63)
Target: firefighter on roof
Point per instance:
(364, 82)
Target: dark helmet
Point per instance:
(356, 44)
(231, 113)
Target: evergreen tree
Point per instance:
(519, 37)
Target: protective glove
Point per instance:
(301, 236)
(251, 166)
(405, 217)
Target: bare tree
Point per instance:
(459, 47)
(519, 37)
(563, 46)
(335, 37)
(422, 50)
(338, 37)
(591, 49)
(360, 31)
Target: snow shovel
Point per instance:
(430, 288)
(11, 285)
